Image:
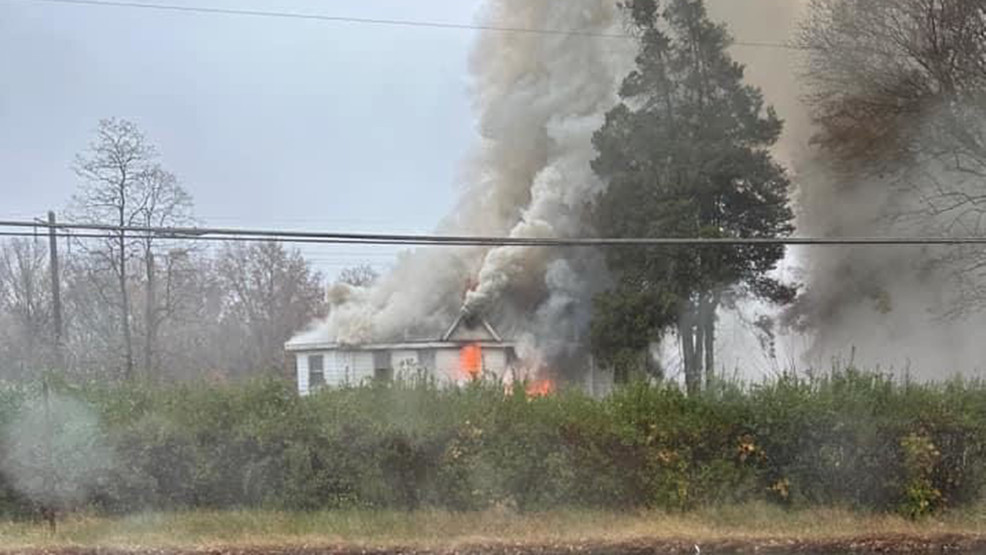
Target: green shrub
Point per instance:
(850, 439)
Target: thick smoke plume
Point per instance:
(539, 98)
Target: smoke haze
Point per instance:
(881, 307)
(54, 456)
(538, 100)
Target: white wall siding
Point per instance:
(362, 367)
(349, 368)
(336, 368)
(495, 362)
(355, 367)
(447, 365)
(404, 363)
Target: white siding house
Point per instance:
(467, 350)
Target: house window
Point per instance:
(427, 359)
(316, 371)
(382, 369)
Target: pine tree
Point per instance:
(686, 154)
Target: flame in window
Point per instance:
(471, 361)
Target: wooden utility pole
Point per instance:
(150, 312)
(56, 292)
(48, 506)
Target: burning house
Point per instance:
(539, 99)
(469, 349)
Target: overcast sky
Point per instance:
(273, 122)
(268, 122)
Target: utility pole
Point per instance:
(56, 292)
(48, 506)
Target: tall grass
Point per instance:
(850, 439)
(750, 524)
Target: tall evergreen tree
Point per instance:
(686, 154)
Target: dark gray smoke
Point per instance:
(538, 98)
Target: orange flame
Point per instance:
(471, 360)
(540, 388)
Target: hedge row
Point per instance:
(850, 439)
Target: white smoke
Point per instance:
(411, 302)
(539, 99)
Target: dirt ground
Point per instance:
(889, 545)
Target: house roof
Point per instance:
(464, 320)
(409, 346)
(464, 330)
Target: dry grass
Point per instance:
(425, 529)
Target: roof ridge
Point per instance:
(482, 320)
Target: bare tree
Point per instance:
(192, 340)
(901, 84)
(92, 319)
(164, 204)
(362, 275)
(898, 90)
(124, 185)
(25, 303)
(188, 338)
(879, 68)
(271, 294)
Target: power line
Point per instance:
(226, 234)
(375, 21)
(137, 236)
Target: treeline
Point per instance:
(137, 304)
(849, 439)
